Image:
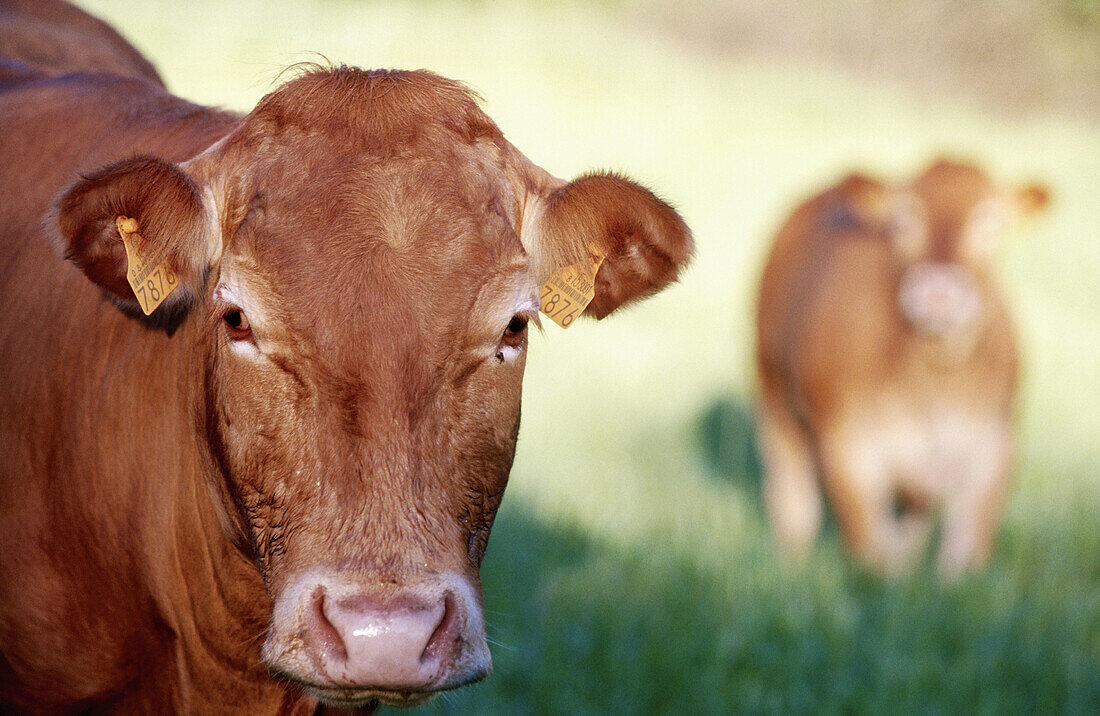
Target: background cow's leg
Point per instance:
(862, 492)
(971, 515)
(792, 495)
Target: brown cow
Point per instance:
(54, 38)
(888, 367)
(277, 487)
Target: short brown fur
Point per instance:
(320, 424)
(53, 37)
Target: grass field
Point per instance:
(630, 570)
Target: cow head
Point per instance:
(359, 264)
(941, 230)
(946, 226)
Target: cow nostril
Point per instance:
(324, 633)
(440, 646)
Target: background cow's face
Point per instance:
(944, 231)
(361, 261)
(941, 230)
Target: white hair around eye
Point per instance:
(984, 225)
(529, 306)
(907, 224)
(224, 292)
(237, 314)
(513, 338)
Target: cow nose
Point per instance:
(403, 644)
(937, 299)
(351, 641)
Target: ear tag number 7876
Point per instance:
(152, 281)
(568, 291)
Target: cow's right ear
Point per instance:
(168, 214)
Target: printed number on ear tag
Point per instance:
(151, 280)
(568, 291)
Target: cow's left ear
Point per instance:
(643, 241)
(161, 208)
(990, 218)
(1030, 199)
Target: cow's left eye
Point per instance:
(514, 333)
(517, 325)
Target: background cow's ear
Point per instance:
(1031, 199)
(169, 215)
(990, 218)
(643, 240)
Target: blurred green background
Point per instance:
(630, 570)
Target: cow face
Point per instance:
(941, 231)
(946, 227)
(359, 263)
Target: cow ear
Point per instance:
(1001, 211)
(643, 241)
(165, 208)
(1031, 199)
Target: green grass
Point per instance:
(630, 570)
(594, 629)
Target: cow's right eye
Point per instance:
(237, 326)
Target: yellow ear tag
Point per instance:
(152, 281)
(569, 290)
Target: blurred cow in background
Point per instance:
(888, 367)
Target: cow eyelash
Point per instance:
(236, 324)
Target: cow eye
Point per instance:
(517, 325)
(237, 326)
(515, 335)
